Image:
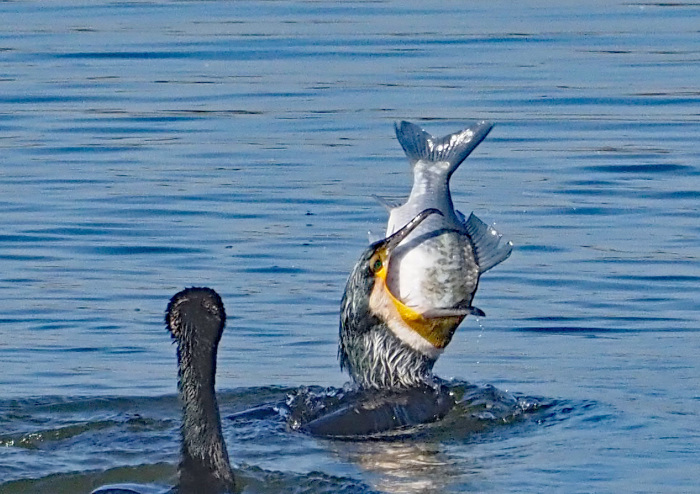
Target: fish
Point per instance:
(436, 269)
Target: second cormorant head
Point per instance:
(385, 344)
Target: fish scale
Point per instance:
(433, 273)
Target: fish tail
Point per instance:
(452, 148)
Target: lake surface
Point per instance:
(149, 146)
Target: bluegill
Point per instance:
(436, 269)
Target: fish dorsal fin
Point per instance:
(388, 203)
(373, 237)
(452, 149)
(486, 242)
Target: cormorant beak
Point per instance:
(381, 250)
(395, 239)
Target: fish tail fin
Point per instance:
(486, 242)
(453, 148)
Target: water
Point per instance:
(149, 146)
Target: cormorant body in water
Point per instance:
(196, 318)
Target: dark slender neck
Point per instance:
(204, 466)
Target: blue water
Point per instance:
(149, 146)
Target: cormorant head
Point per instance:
(199, 308)
(384, 343)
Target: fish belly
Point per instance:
(440, 272)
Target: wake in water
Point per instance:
(467, 408)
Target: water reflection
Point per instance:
(402, 467)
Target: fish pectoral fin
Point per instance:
(458, 311)
(388, 203)
(486, 241)
(475, 311)
(439, 312)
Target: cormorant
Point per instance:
(195, 318)
(389, 351)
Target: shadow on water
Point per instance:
(109, 438)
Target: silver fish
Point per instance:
(436, 269)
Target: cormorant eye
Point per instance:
(377, 265)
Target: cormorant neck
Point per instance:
(204, 466)
(377, 359)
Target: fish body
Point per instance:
(436, 269)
